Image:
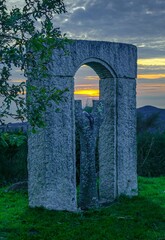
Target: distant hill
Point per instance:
(13, 127)
(149, 110)
(154, 114)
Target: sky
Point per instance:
(138, 22)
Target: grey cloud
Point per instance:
(120, 19)
(140, 22)
(151, 52)
(132, 21)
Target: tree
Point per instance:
(148, 123)
(25, 33)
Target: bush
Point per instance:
(151, 154)
(13, 157)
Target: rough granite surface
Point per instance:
(117, 58)
(51, 152)
(107, 142)
(88, 126)
(126, 137)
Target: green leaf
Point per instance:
(28, 37)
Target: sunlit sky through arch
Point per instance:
(150, 83)
(86, 85)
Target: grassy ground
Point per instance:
(141, 217)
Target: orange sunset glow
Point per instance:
(147, 89)
(87, 92)
(91, 78)
(151, 62)
(151, 76)
(150, 80)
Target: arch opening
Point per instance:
(88, 119)
(87, 79)
(86, 85)
(103, 69)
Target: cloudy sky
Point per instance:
(139, 22)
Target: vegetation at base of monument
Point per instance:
(13, 157)
(141, 217)
(151, 154)
(150, 147)
(148, 123)
(27, 38)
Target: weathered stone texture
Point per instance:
(88, 188)
(51, 154)
(119, 58)
(107, 141)
(126, 137)
(88, 126)
(52, 182)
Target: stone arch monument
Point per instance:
(51, 152)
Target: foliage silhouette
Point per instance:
(27, 38)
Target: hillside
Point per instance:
(153, 115)
(144, 113)
(149, 110)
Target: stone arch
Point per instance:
(89, 196)
(51, 152)
(102, 69)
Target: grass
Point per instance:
(141, 217)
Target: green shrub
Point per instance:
(151, 154)
(13, 157)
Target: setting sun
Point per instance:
(87, 92)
